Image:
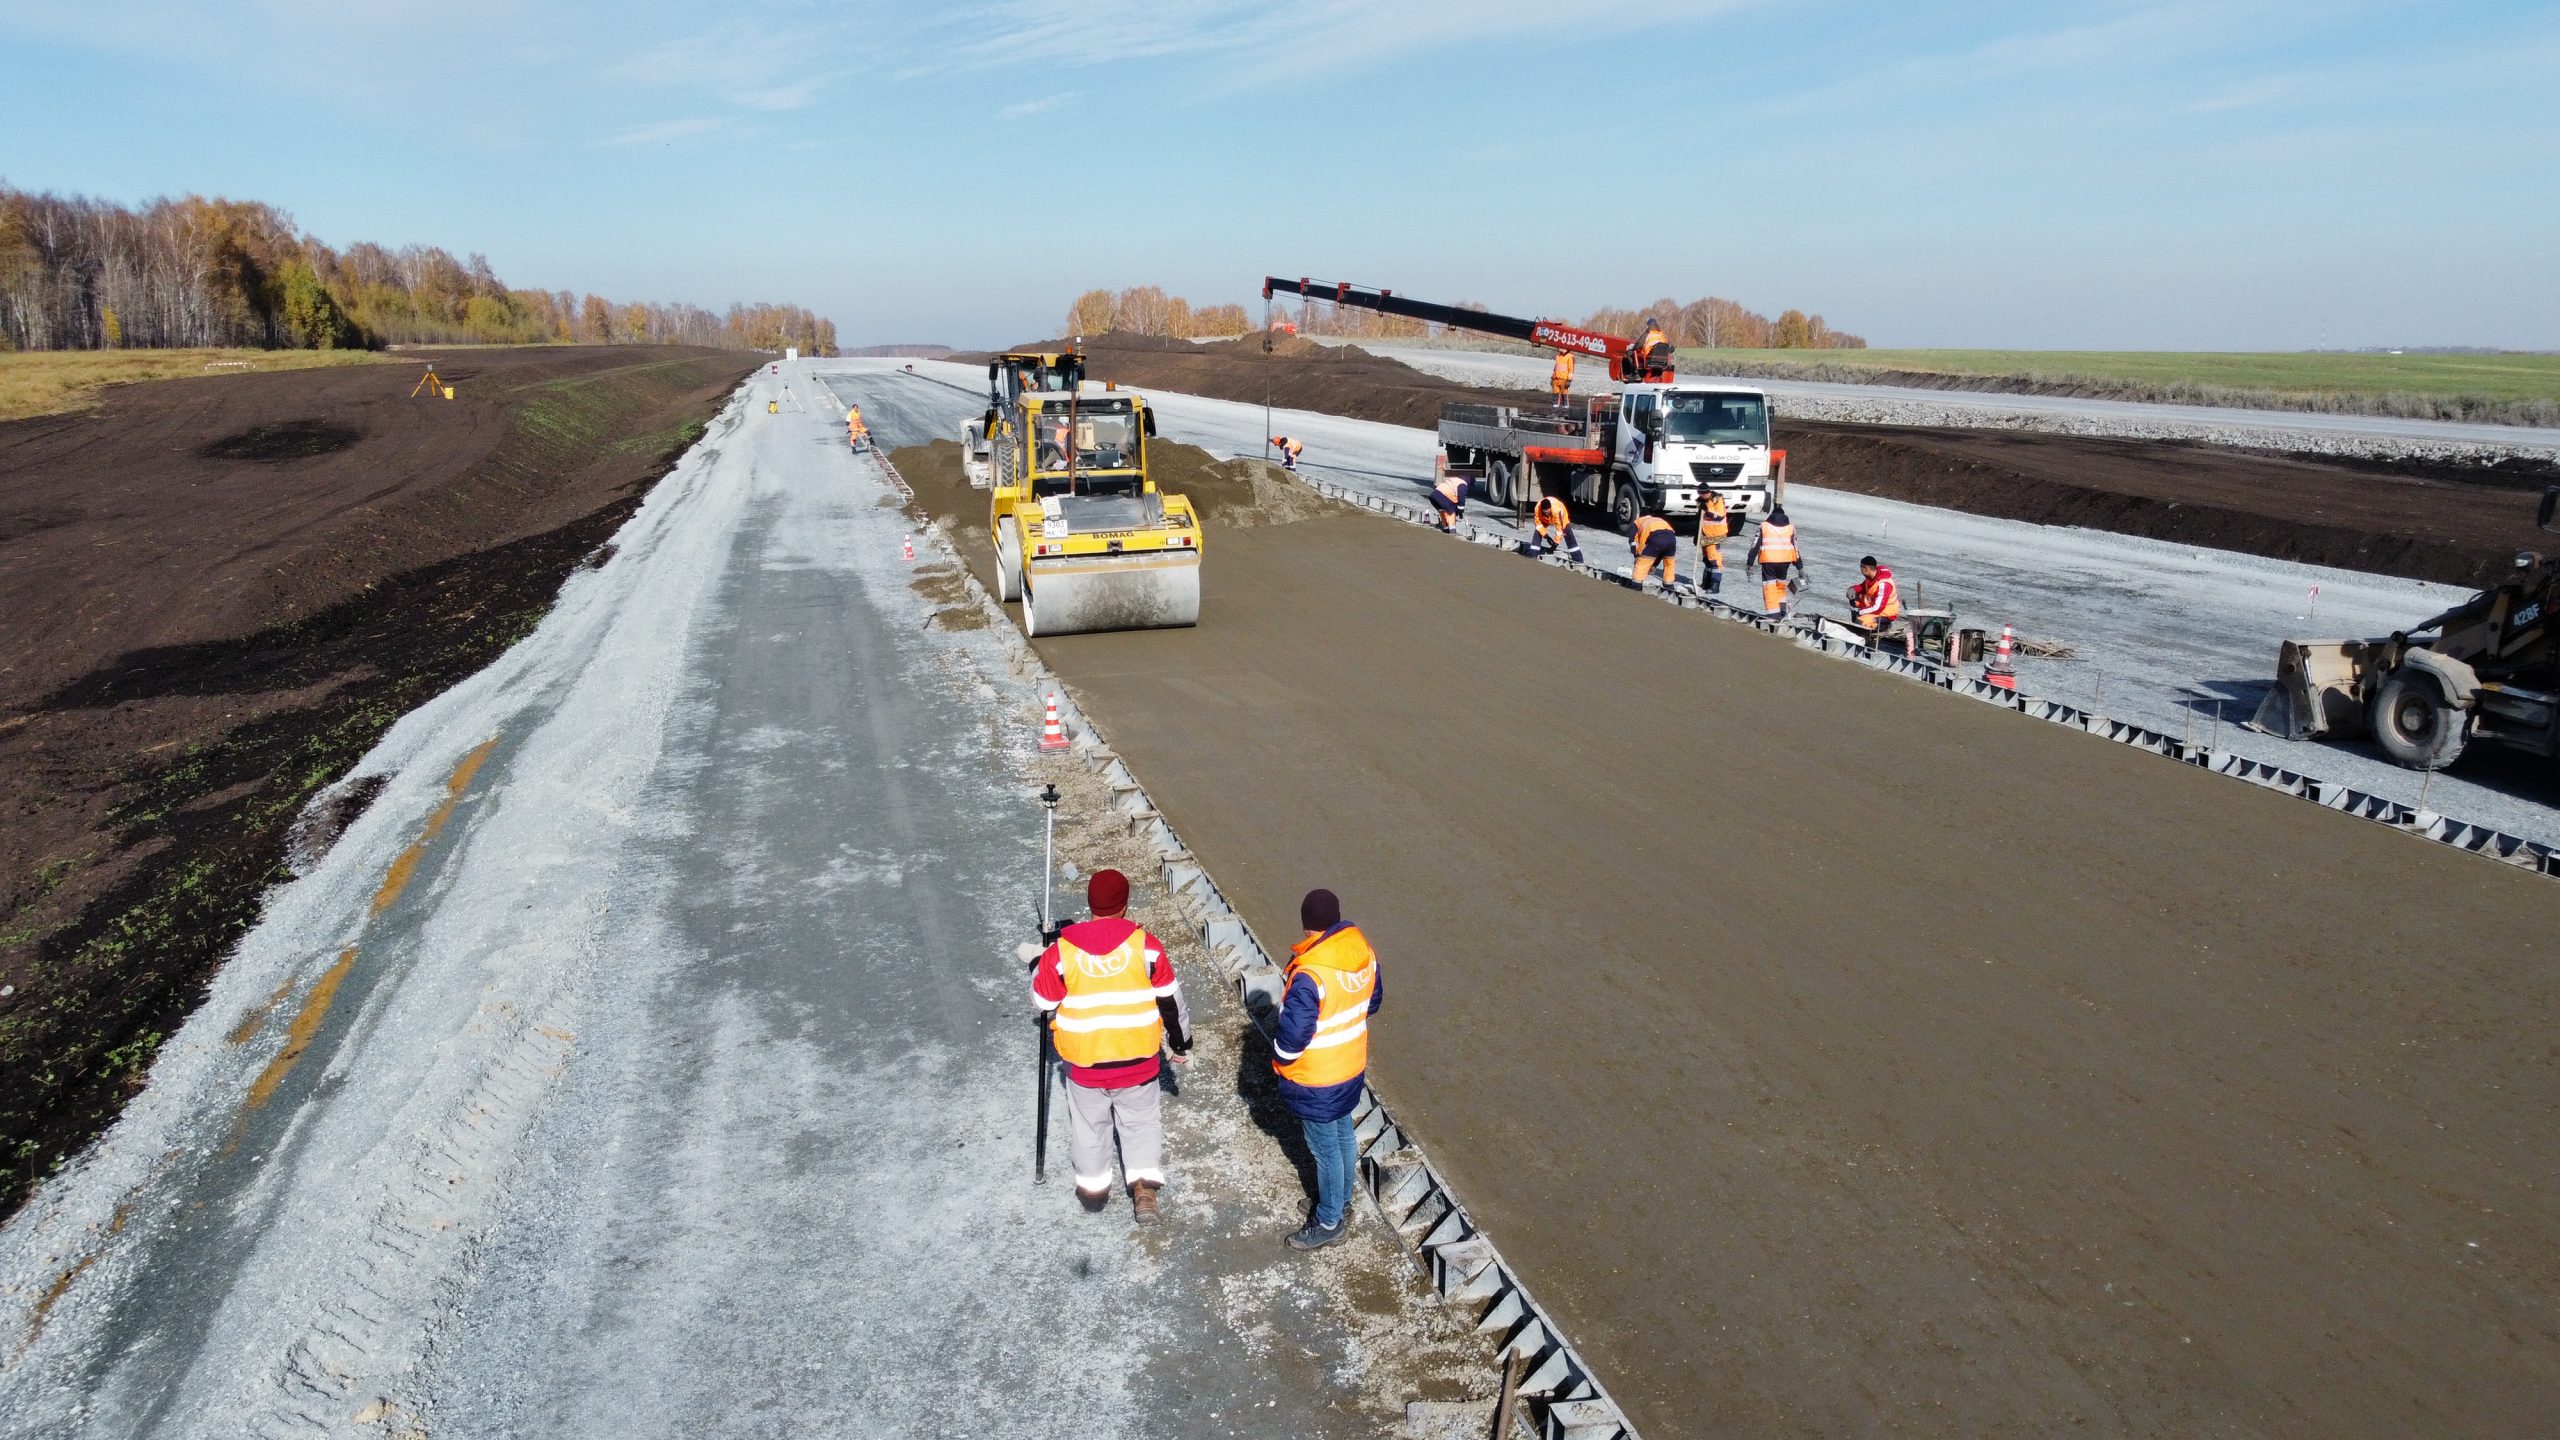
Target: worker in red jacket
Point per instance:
(1321, 1053)
(1875, 601)
(1114, 1002)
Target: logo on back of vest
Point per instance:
(1355, 981)
(1104, 965)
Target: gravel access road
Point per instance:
(1836, 1055)
(2064, 414)
(650, 1059)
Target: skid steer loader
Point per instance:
(1082, 536)
(2487, 669)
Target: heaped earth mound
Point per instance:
(2458, 522)
(189, 658)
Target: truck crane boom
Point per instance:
(1625, 365)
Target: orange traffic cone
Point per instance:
(2000, 673)
(1053, 736)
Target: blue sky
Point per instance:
(2144, 174)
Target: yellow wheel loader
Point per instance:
(2487, 669)
(1082, 536)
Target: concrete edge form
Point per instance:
(2497, 845)
(1459, 1259)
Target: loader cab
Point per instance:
(1012, 376)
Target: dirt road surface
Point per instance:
(1839, 1056)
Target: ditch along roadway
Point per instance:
(1835, 1055)
(2177, 638)
(651, 1059)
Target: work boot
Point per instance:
(1142, 1202)
(1316, 1237)
(1092, 1200)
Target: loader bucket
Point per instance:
(2318, 692)
(1149, 591)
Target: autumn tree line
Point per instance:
(84, 274)
(1714, 323)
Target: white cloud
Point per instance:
(1041, 106)
(663, 132)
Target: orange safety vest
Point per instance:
(1647, 526)
(1651, 338)
(1880, 598)
(1713, 521)
(1552, 513)
(1288, 446)
(1564, 368)
(1110, 1013)
(1451, 488)
(1344, 971)
(1777, 543)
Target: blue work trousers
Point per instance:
(1336, 1144)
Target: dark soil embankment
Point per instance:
(221, 593)
(2454, 522)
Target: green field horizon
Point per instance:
(2520, 379)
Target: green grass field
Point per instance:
(2511, 386)
(48, 382)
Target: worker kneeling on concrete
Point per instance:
(1875, 602)
(1449, 497)
(1774, 551)
(1114, 1003)
(1655, 541)
(1551, 528)
(1321, 1053)
(1715, 522)
(1289, 450)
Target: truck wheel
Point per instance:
(1497, 483)
(1625, 504)
(2414, 725)
(1008, 561)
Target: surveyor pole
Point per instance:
(1040, 1020)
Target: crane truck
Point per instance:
(1660, 443)
(2487, 669)
(1083, 538)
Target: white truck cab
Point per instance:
(1678, 439)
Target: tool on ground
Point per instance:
(2487, 669)
(1048, 936)
(1507, 1401)
(1053, 735)
(432, 383)
(1658, 444)
(1083, 537)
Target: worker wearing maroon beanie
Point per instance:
(1114, 1002)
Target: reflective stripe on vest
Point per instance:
(1110, 1013)
(1344, 971)
(1777, 544)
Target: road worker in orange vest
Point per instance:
(1774, 551)
(1552, 528)
(1113, 1002)
(1289, 450)
(1560, 380)
(1875, 602)
(1321, 1052)
(1655, 541)
(1715, 522)
(1653, 352)
(1449, 497)
(855, 432)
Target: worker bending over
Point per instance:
(1560, 380)
(1289, 450)
(1715, 522)
(1552, 528)
(1875, 602)
(1449, 497)
(1774, 551)
(1114, 1002)
(1653, 541)
(1321, 1052)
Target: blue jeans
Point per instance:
(1336, 1144)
